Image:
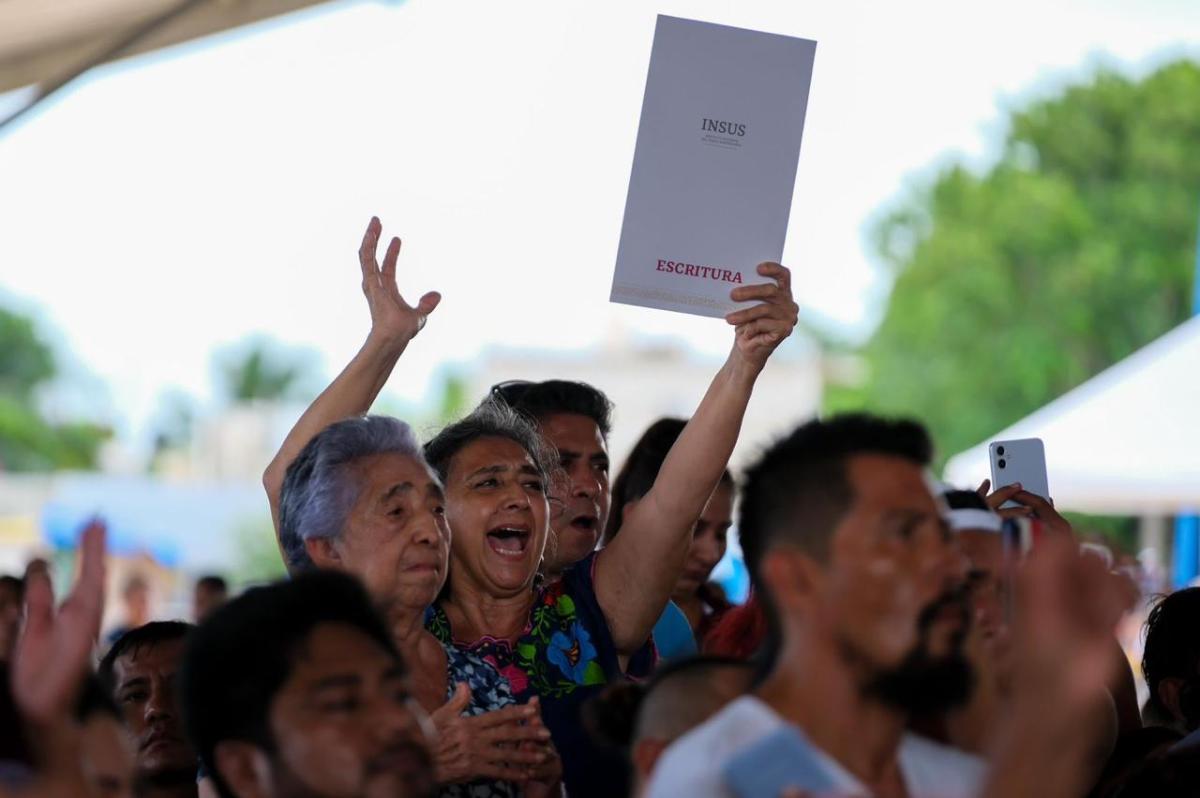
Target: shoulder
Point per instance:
(932, 768)
(693, 764)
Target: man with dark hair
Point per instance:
(864, 592)
(211, 592)
(139, 672)
(1171, 660)
(576, 419)
(296, 689)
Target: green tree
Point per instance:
(260, 368)
(1072, 251)
(28, 441)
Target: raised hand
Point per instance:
(1029, 505)
(53, 651)
(392, 318)
(760, 329)
(487, 746)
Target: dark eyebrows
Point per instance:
(499, 468)
(136, 681)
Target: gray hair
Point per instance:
(319, 488)
(492, 419)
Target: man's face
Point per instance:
(344, 724)
(986, 581)
(892, 591)
(106, 756)
(584, 458)
(145, 679)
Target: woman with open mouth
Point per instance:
(560, 643)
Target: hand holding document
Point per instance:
(715, 165)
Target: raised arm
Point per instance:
(637, 571)
(393, 324)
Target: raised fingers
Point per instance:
(366, 250)
(1002, 495)
(763, 291)
(778, 272)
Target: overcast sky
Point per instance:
(178, 202)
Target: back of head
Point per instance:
(238, 659)
(146, 636)
(537, 400)
(214, 583)
(687, 692)
(1172, 651)
(799, 490)
(319, 488)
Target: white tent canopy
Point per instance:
(41, 40)
(1125, 442)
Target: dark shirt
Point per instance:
(565, 656)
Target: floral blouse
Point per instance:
(565, 656)
(489, 691)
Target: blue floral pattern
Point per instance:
(572, 651)
(489, 691)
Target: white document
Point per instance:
(715, 165)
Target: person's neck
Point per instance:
(813, 688)
(474, 612)
(422, 652)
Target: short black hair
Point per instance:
(799, 489)
(611, 717)
(1172, 646)
(94, 699)
(145, 636)
(640, 469)
(964, 500)
(491, 420)
(238, 659)
(213, 582)
(536, 400)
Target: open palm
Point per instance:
(392, 318)
(54, 648)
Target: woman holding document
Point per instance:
(562, 643)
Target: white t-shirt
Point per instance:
(693, 765)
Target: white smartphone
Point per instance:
(1023, 461)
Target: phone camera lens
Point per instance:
(1000, 450)
(1001, 464)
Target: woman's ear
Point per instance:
(1168, 697)
(323, 552)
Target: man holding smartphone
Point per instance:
(865, 592)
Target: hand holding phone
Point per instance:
(1019, 462)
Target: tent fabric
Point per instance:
(1125, 442)
(40, 40)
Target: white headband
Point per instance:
(968, 518)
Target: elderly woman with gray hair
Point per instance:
(559, 643)
(359, 497)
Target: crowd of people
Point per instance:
(489, 614)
